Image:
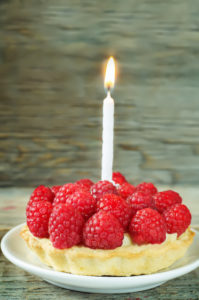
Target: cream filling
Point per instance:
(127, 241)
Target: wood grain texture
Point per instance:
(51, 89)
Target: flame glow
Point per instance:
(109, 80)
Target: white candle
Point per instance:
(107, 138)
(108, 124)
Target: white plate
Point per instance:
(15, 249)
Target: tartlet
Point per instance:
(129, 259)
(102, 229)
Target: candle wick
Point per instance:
(108, 92)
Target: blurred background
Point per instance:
(51, 90)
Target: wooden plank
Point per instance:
(51, 89)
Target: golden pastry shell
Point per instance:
(129, 259)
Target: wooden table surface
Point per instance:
(16, 284)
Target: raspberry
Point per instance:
(147, 187)
(178, 218)
(125, 190)
(118, 178)
(101, 188)
(85, 183)
(38, 213)
(140, 200)
(163, 200)
(65, 226)
(42, 193)
(55, 189)
(103, 231)
(84, 202)
(147, 226)
(117, 206)
(64, 192)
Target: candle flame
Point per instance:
(109, 80)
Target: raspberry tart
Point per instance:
(107, 228)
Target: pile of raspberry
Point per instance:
(97, 215)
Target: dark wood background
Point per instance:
(51, 89)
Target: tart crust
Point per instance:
(129, 259)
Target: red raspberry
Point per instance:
(140, 200)
(42, 193)
(178, 218)
(147, 187)
(65, 191)
(65, 226)
(163, 200)
(55, 189)
(101, 188)
(125, 190)
(103, 231)
(147, 226)
(117, 206)
(38, 213)
(118, 178)
(84, 202)
(85, 183)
